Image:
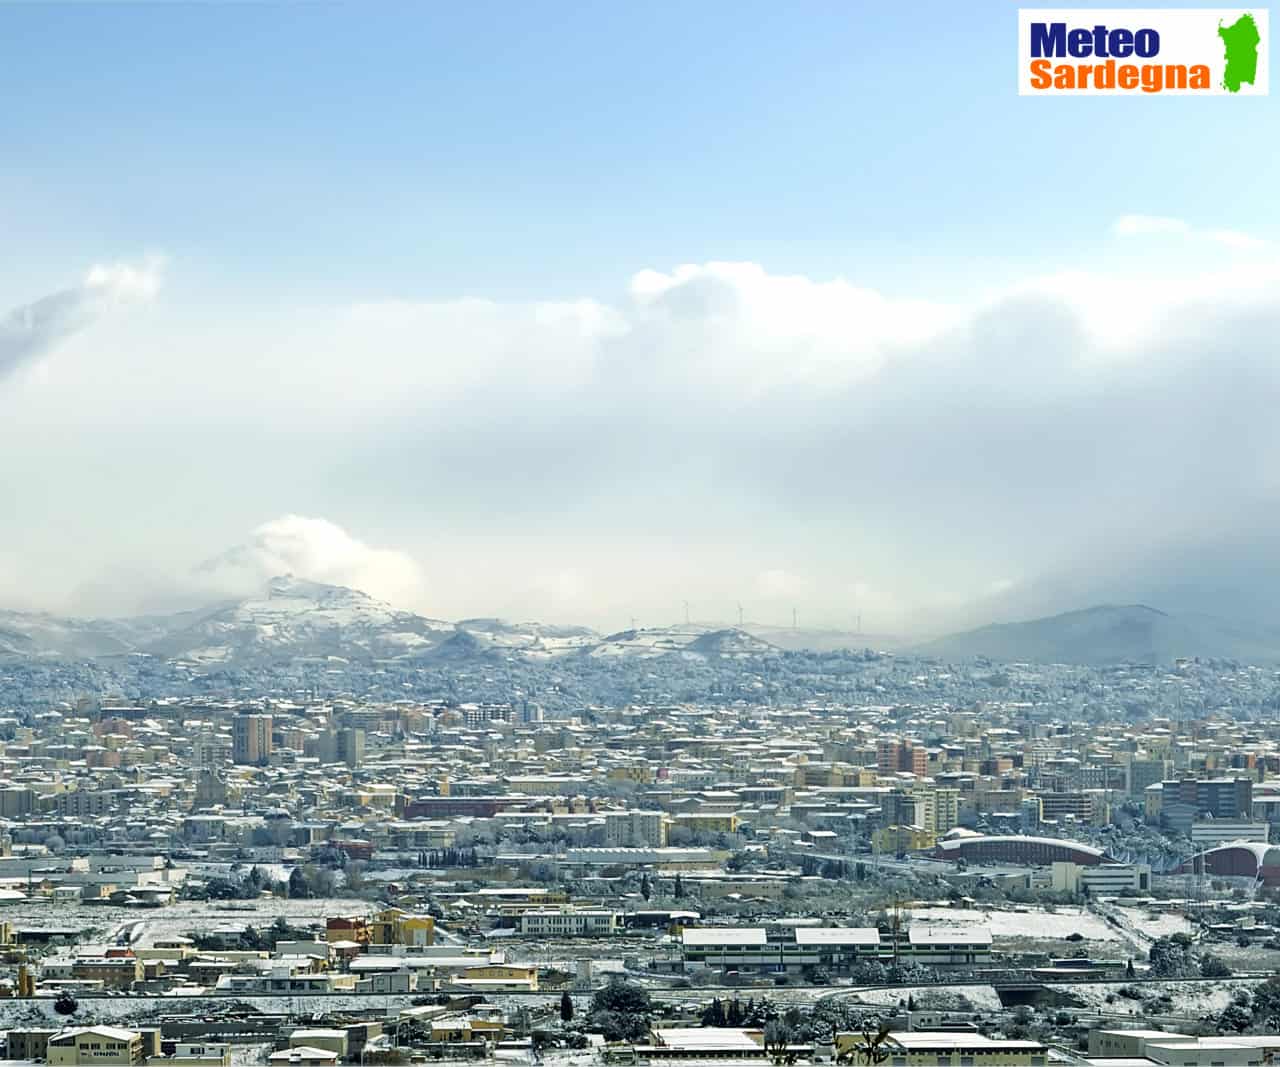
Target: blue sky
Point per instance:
(579, 311)
(539, 149)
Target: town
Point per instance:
(196, 882)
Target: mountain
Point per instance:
(1111, 634)
(296, 618)
(293, 619)
(690, 641)
(40, 635)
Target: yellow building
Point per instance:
(498, 979)
(709, 822)
(395, 927)
(641, 773)
(896, 839)
(926, 1048)
(464, 1030)
(111, 1046)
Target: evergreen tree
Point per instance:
(566, 1007)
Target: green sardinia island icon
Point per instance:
(1240, 42)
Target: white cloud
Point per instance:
(319, 551)
(715, 433)
(126, 282)
(1163, 225)
(33, 330)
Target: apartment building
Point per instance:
(251, 739)
(789, 949)
(570, 922)
(635, 829)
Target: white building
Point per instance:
(570, 922)
(1210, 832)
(635, 829)
(1107, 879)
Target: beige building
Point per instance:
(111, 1046)
(251, 739)
(927, 1048)
(334, 1041)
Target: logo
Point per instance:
(1142, 52)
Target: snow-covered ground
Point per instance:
(1035, 924)
(1156, 924)
(1191, 999)
(981, 997)
(100, 922)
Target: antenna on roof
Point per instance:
(795, 619)
(686, 613)
(739, 614)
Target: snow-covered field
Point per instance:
(1156, 924)
(101, 922)
(1191, 999)
(981, 997)
(1034, 924)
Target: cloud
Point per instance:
(714, 432)
(317, 550)
(1163, 225)
(33, 330)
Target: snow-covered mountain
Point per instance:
(701, 642)
(294, 619)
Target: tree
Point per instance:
(622, 996)
(1212, 966)
(66, 1004)
(714, 1014)
(1171, 957)
(1235, 1018)
(677, 890)
(566, 1007)
(1266, 1004)
(299, 887)
(870, 1047)
(645, 888)
(620, 1011)
(734, 1014)
(777, 1036)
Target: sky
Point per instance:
(579, 312)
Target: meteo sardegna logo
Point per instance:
(1143, 52)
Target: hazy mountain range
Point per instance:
(1110, 634)
(294, 619)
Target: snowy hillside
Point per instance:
(293, 619)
